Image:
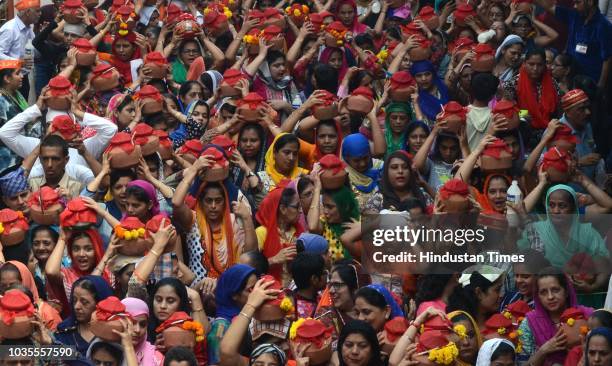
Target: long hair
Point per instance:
(181, 292)
(366, 330)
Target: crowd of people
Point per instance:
(191, 182)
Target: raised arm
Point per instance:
(54, 263)
(549, 34)
(160, 186)
(420, 159)
(217, 54)
(465, 171)
(181, 213)
(253, 66)
(314, 215)
(533, 157)
(378, 138)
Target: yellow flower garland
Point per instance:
(197, 328)
(129, 234)
(501, 330)
(445, 355)
(1, 228)
(571, 322)
(294, 327)
(460, 330)
(286, 305)
(507, 315)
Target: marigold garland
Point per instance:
(196, 327)
(286, 305)
(135, 234)
(584, 330)
(571, 322)
(460, 330)
(382, 56)
(507, 315)
(250, 39)
(445, 355)
(294, 327)
(501, 330)
(1, 228)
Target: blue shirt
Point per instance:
(585, 145)
(596, 35)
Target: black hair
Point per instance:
(86, 284)
(561, 278)
(304, 183)
(110, 348)
(326, 77)
(55, 141)
(139, 193)
(355, 81)
(181, 292)
(186, 87)
(537, 51)
(155, 159)
(185, 42)
(430, 287)
(413, 202)
(603, 316)
(54, 234)
(442, 137)
(257, 261)
(22, 288)
(372, 297)
(180, 354)
(484, 86)
(587, 85)
(364, 39)
(348, 274)
(116, 174)
(212, 185)
(534, 260)
(464, 297)
(284, 140)
(304, 267)
(287, 196)
(503, 349)
(389, 197)
(274, 55)
(224, 40)
(124, 103)
(395, 32)
(4, 73)
(366, 330)
(261, 135)
(10, 267)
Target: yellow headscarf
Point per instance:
(271, 165)
(454, 314)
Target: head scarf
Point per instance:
(390, 199)
(477, 334)
(488, 348)
(317, 152)
(196, 130)
(355, 146)
(112, 106)
(542, 326)
(125, 67)
(508, 41)
(266, 77)
(211, 80)
(150, 191)
(430, 104)
(97, 243)
(599, 331)
(394, 144)
(540, 108)
(268, 348)
(26, 278)
(348, 208)
(356, 28)
(237, 173)
(313, 243)
(102, 291)
(267, 216)
(13, 181)
(389, 299)
(483, 198)
(326, 55)
(228, 284)
(117, 347)
(274, 174)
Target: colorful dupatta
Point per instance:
(430, 104)
(274, 174)
(460, 314)
(540, 108)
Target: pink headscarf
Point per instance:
(151, 193)
(356, 28)
(146, 353)
(113, 103)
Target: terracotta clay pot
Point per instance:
(105, 78)
(572, 333)
(524, 7)
(48, 217)
(177, 336)
(216, 174)
(14, 237)
(556, 176)
(70, 9)
(325, 112)
(329, 180)
(249, 115)
(151, 106)
(421, 52)
(122, 160)
(484, 59)
(248, 107)
(22, 327)
(319, 356)
(135, 248)
(268, 313)
(454, 123)
(59, 103)
(456, 204)
(274, 17)
(153, 226)
(165, 145)
(489, 164)
(429, 17)
(104, 329)
(187, 29)
(359, 104)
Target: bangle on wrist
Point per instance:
(247, 304)
(245, 316)
(154, 252)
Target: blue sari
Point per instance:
(430, 104)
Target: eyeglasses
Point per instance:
(336, 285)
(191, 51)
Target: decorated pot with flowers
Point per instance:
(360, 101)
(498, 326)
(143, 136)
(231, 4)
(335, 34)
(298, 13)
(454, 195)
(231, 78)
(77, 215)
(13, 227)
(429, 17)
(422, 50)
(455, 116)
(126, 19)
(557, 164)
(392, 332)
(191, 150)
(165, 144)
(71, 10)
(107, 317)
(59, 93)
(496, 157)
(64, 126)
(333, 174)
(463, 11)
(251, 40)
(153, 226)
(328, 108)
(216, 21)
(180, 330)
(16, 315)
(581, 267)
(258, 15)
(314, 333)
(122, 151)
(509, 110)
(187, 27)
(172, 14)
(564, 139)
(273, 16)
(220, 168)
(86, 52)
(131, 233)
(275, 309)
(317, 22)
(484, 58)
(274, 35)
(249, 107)
(434, 348)
(104, 77)
(517, 311)
(45, 206)
(157, 63)
(574, 325)
(402, 86)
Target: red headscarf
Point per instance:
(483, 198)
(124, 67)
(541, 108)
(356, 27)
(317, 153)
(96, 242)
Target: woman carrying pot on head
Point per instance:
(363, 170)
(433, 93)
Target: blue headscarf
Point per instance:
(600, 331)
(430, 104)
(313, 243)
(229, 284)
(389, 299)
(13, 181)
(102, 291)
(356, 146)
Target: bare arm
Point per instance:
(294, 51)
(465, 170)
(251, 68)
(533, 157)
(313, 218)
(54, 263)
(28, 161)
(420, 159)
(160, 239)
(379, 143)
(549, 36)
(217, 54)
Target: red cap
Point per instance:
(192, 147)
(556, 158)
(430, 340)
(45, 197)
(332, 162)
(574, 313)
(573, 98)
(227, 144)
(111, 306)
(65, 126)
(402, 79)
(363, 91)
(396, 327)
(252, 100)
(83, 45)
(495, 148)
(454, 186)
(176, 319)
(59, 86)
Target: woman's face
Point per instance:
(335, 59)
(522, 28)
(190, 52)
(327, 139)
(489, 300)
(126, 115)
(267, 359)
(535, 66)
(360, 164)
(200, 115)
(152, 37)
(42, 245)
(84, 304)
(9, 278)
(291, 212)
(371, 314)
(103, 358)
(465, 77)
(118, 190)
(140, 323)
(551, 294)
(278, 69)
(559, 71)
(214, 204)
(600, 353)
(195, 93)
(124, 49)
(496, 14)
(330, 210)
(14, 80)
(512, 55)
(241, 297)
(83, 254)
(165, 302)
(249, 143)
(424, 80)
(398, 122)
(503, 360)
(346, 13)
(560, 207)
(468, 346)
(405, 64)
(124, 278)
(497, 194)
(340, 293)
(524, 281)
(356, 350)
(306, 196)
(399, 173)
(416, 138)
(286, 158)
(513, 144)
(134, 207)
